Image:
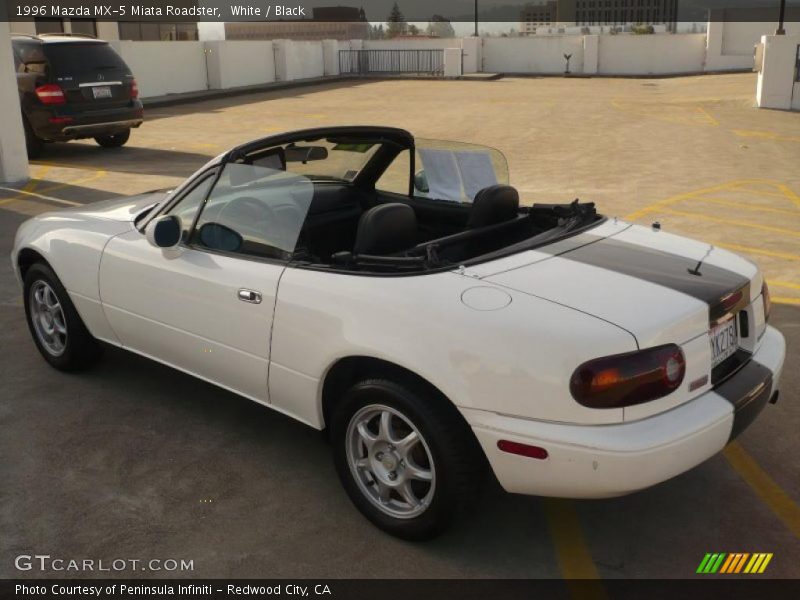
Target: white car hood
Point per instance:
(122, 209)
(660, 287)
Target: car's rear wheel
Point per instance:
(114, 140)
(56, 327)
(33, 144)
(406, 459)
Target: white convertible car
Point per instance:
(394, 293)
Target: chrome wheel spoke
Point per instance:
(408, 495)
(384, 491)
(366, 435)
(416, 472)
(385, 432)
(406, 444)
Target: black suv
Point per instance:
(73, 87)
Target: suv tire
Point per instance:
(114, 140)
(33, 144)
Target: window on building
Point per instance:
(151, 32)
(84, 26)
(49, 25)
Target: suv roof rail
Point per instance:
(79, 35)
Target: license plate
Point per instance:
(101, 91)
(724, 341)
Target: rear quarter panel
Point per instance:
(516, 360)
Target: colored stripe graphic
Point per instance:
(734, 562)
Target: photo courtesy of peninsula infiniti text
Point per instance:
(393, 292)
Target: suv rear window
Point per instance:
(74, 58)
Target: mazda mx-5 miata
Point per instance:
(394, 293)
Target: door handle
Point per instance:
(251, 296)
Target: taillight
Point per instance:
(134, 89)
(629, 378)
(50, 93)
(767, 301)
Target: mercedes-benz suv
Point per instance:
(73, 87)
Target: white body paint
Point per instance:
(499, 339)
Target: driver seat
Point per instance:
(386, 229)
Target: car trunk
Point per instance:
(92, 75)
(659, 287)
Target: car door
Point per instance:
(206, 305)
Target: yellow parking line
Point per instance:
(786, 284)
(790, 193)
(770, 492)
(672, 199)
(784, 300)
(98, 174)
(28, 187)
(750, 250)
(574, 558)
(708, 114)
(779, 230)
(755, 207)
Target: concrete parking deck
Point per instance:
(133, 459)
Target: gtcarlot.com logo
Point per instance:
(734, 562)
(45, 562)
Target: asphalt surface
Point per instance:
(134, 460)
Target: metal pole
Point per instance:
(781, 16)
(476, 17)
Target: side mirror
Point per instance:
(421, 182)
(164, 232)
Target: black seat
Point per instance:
(492, 205)
(386, 229)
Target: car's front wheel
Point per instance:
(406, 459)
(56, 327)
(114, 140)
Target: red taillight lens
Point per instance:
(767, 301)
(629, 378)
(134, 89)
(50, 93)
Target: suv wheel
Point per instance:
(114, 140)
(55, 325)
(33, 144)
(405, 459)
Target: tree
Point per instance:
(440, 27)
(396, 23)
(413, 29)
(375, 32)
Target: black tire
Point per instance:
(114, 140)
(457, 461)
(80, 348)
(33, 144)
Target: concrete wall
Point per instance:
(651, 54)
(165, 67)
(532, 54)
(239, 63)
(13, 156)
(776, 87)
(412, 44)
(304, 60)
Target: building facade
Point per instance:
(586, 13)
(327, 23)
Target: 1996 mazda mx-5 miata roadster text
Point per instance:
(394, 293)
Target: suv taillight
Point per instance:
(630, 378)
(767, 301)
(50, 93)
(134, 89)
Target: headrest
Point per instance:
(492, 205)
(386, 229)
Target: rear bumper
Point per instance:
(61, 123)
(599, 461)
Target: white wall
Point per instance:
(165, 67)
(411, 44)
(533, 54)
(239, 63)
(304, 60)
(776, 87)
(13, 157)
(651, 54)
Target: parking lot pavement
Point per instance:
(134, 460)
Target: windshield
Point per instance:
(456, 171)
(319, 160)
